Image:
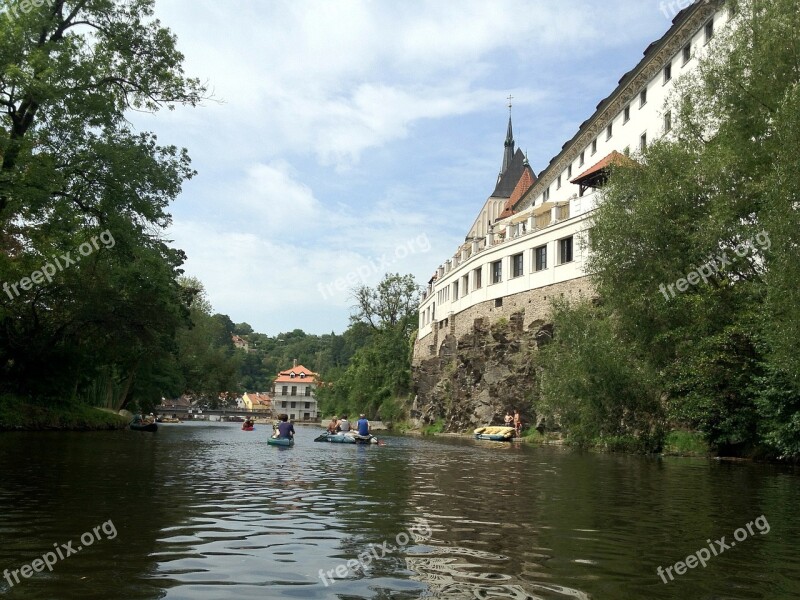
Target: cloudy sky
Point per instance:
(351, 138)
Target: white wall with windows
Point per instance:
(544, 243)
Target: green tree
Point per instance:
(75, 176)
(379, 371)
(717, 201)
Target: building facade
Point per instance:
(293, 393)
(529, 241)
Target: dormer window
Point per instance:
(302, 375)
(291, 374)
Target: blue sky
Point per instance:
(348, 138)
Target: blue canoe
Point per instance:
(280, 441)
(494, 437)
(340, 438)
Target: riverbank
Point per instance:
(20, 415)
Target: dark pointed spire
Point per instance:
(508, 153)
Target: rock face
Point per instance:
(474, 380)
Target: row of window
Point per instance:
(461, 288)
(686, 53)
(285, 391)
(294, 404)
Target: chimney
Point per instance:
(295, 363)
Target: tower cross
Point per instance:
(510, 98)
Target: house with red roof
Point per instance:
(294, 393)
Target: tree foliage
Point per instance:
(694, 249)
(384, 320)
(74, 171)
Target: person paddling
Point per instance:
(285, 429)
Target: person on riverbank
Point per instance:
(333, 426)
(285, 428)
(362, 425)
(517, 423)
(508, 419)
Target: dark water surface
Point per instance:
(203, 511)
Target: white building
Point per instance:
(528, 242)
(293, 393)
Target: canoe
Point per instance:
(144, 426)
(341, 438)
(280, 441)
(494, 437)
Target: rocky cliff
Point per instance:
(475, 379)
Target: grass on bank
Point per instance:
(17, 414)
(685, 443)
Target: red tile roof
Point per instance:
(286, 376)
(525, 183)
(615, 158)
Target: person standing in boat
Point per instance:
(363, 426)
(285, 428)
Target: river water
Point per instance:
(202, 511)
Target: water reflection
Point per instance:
(207, 511)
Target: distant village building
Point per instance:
(257, 402)
(294, 393)
(240, 342)
(528, 243)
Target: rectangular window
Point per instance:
(517, 265)
(283, 404)
(293, 405)
(643, 97)
(594, 146)
(308, 390)
(465, 284)
(626, 114)
(609, 131)
(565, 250)
(284, 390)
(308, 404)
(709, 30)
(667, 72)
(497, 271)
(455, 291)
(687, 53)
(668, 122)
(477, 278)
(558, 183)
(643, 142)
(582, 158)
(498, 303)
(294, 391)
(569, 172)
(540, 258)
(546, 195)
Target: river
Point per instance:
(202, 511)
